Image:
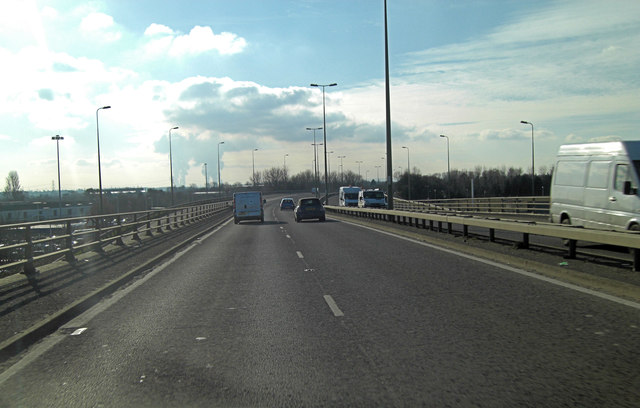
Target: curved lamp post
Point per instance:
(324, 123)
(171, 163)
(219, 184)
(341, 169)
(206, 180)
(448, 168)
(408, 174)
(253, 166)
(316, 179)
(58, 138)
(533, 169)
(99, 168)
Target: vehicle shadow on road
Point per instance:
(257, 223)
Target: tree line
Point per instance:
(481, 182)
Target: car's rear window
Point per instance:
(311, 201)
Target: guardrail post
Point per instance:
(119, 240)
(572, 249)
(465, 230)
(149, 233)
(135, 235)
(30, 270)
(492, 234)
(636, 259)
(525, 240)
(69, 255)
(449, 228)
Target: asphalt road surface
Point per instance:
(332, 314)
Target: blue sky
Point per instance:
(239, 72)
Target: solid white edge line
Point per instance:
(553, 281)
(333, 306)
(48, 342)
(300, 255)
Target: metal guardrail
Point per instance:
(570, 233)
(25, 246)
(534, 205)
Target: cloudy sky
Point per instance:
(239, 72)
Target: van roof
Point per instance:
(631, 148)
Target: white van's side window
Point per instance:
(598, 174)
(570, 173)
(622, 175)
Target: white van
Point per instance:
(248, 206)
(595, 185)
(372, 198)
(348, 196)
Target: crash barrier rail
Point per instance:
(570, 234)
(534, 205)
(25, 246)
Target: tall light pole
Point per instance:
(171, 163)
(253, 164)
(206, 180)
(315, 157)
(408, 174)
(329, 161)
(58, 138)
(341, 169)
(219, 183)
(359, 163)
(448, 167)
(388, 113)
(284, 169)
(377, 174)
(324, 130)
(533, 169)
(99, 169)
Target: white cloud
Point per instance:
(202, 39)
(101, 26)
(155, 29)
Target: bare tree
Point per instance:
(13, 189)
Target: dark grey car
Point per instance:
(308, 209)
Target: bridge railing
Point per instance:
(534, 205)
(569, 233)
(25, 246)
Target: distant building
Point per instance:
(17, 212)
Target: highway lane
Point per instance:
(330, 314)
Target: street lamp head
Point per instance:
(220, 143)
(313, 84)
(106, 107)
(405, 147)
(443, 136)
(318, 128)
(57, 137)
(174, 128)
(255, 150)
(525, 122)
(333, 84)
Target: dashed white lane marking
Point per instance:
(300, 255)
(78, 332)
(333, 306)
(288, 236)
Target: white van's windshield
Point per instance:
(636, 168)
(373, 194)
